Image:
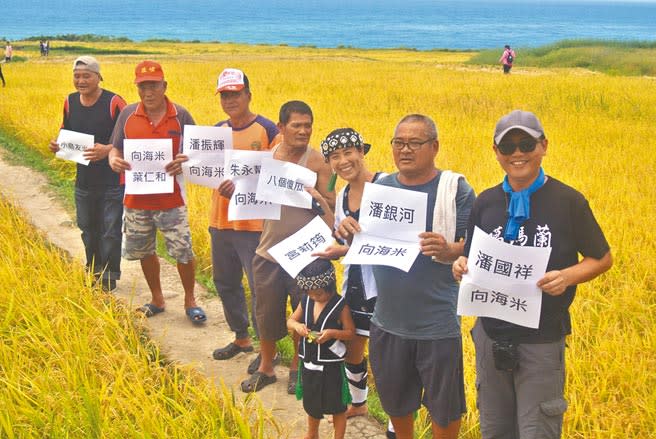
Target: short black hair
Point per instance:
(293, 107)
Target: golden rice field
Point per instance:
(74, 362)
(601, 136)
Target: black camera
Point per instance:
(506, 355)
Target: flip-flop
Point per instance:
(256, 382)
(150, 310)
(196, 315)
(229, 351)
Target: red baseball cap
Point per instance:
(148, 71)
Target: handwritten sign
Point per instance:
(147, 158)
(72, 145)
(285, 183)
(502, 281)
(391, 220)
(295, 253)
(244, 168)
(205, 146)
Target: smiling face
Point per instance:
(86, 82)
(347, 162)
(415, 166)
(235, 103)
(522, 168)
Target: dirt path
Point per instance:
(179, 340)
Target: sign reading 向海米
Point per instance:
(244, 168)
(285, 183)
(205, 146)
(501, 281)
(391, 220)
(147, 158)
(295, 253)
(72, 145)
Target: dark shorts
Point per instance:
(362, 309)
(322, 390)
(273, 285)
(410, 372)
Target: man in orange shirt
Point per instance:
(234, 242)
(155, 117)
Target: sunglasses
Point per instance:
(525, 145)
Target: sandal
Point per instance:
(255, 364)
(229, 351)
(256, 382)
(150, 310)
(291, 384)
(196, 315)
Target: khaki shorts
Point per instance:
(140, 233)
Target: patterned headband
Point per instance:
(316, 275)
(342, 138)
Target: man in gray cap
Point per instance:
(521, 371)
(98, 192)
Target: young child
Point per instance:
(324, 321)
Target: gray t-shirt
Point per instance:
(421, 304)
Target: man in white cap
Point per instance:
(98, 192)
(521, 371)
(234, 242)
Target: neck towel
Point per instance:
(519, 208)
(444, 215)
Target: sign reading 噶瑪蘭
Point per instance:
(205, 147)
(501, 281)
(148, 158)
(72, 145)
(244, 168)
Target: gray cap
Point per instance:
(88, 63)
(521, 120)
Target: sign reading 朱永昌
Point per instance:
(244, 168)
(285, 183)
(295, 253)
(391, 220)
(502, 281)
(205, 146)
(147, 158)
(72, 145)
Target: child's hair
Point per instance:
(319, 274)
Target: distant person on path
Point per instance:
(520, 371)
(46, 48)
(42, 48)
(324, 322)
(234, 242)
(415, 346)
(272, 283)
(98, 191)
(507, 59)
(344, 150)
(156, 117)
(9, 52)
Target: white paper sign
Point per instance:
(502, 281)
(285, 183)
(244, 170)
(72, 145)
(148, 157)
(205, 148)
(391, 220)
(295, 253)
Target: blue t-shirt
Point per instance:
(421, 304)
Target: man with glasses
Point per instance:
(156, 117)
(521, 371)
(415, 344)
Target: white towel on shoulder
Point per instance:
(444, 215)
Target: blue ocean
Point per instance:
(420, 24)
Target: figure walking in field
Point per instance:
(156, 117)
(507, 59)
(234, 242)
(9, 52)
(324, 322)
(415, 345)
(520, 371)
(98, 191)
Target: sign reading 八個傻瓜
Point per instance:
(387, 212)
(244, 168)
(148, 158)
(285, 182)
(205, 147)
(501, 281)
(72, 145)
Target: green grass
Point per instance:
(623, 58)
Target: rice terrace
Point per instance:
(75, 363)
